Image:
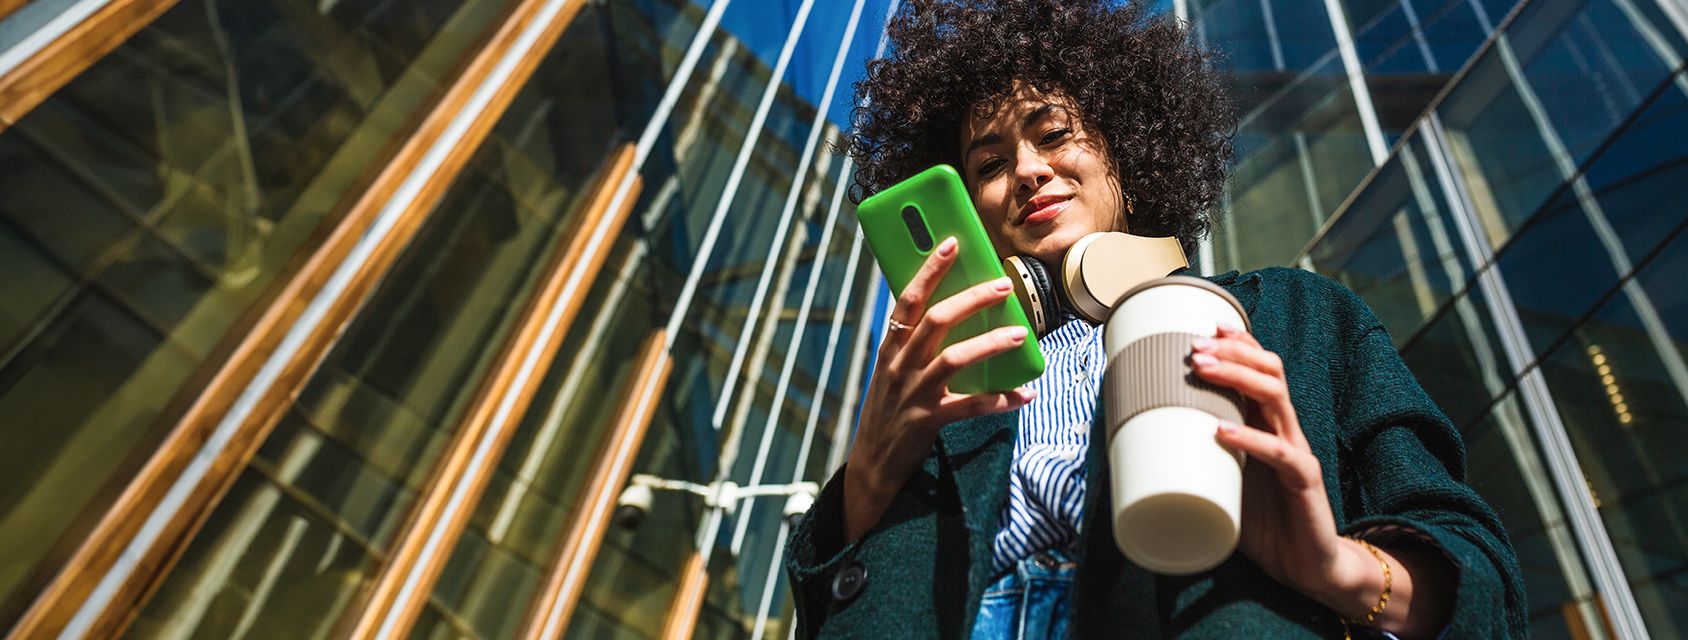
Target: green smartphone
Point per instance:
(903, 225)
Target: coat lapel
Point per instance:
(977, 452)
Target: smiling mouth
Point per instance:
(1042, 210)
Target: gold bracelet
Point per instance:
(1382, 598)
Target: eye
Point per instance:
(989, 166)
(1054, 135)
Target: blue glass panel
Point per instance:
(1397, 245)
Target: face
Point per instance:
(1039, 180)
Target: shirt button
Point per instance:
(849, 582)
(1079, 427)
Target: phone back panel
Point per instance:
(946, 210)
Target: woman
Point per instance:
(965, 515)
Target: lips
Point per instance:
(1042, 209)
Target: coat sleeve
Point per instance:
(815, 553)
(1407, 462)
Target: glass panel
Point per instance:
(299, 537)
(161, 197)
(389, 397)
(1239, 26)
(1603, 223)
(1539, 102)
(1269, 46)
(1458, 358)
(1642, 168)
(1495, 10)
(685, 442)
(1305, 152)
(1453, 30)
(802, 428)
(1507, 471)
(1397, 245)
(508, 550)
(1410, 50)
(1624, 406)
(632, 583)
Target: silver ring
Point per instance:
(898, 326)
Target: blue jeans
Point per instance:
(1030, 602)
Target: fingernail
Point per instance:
(1227, 428)
(1028, 393)
(1202, 360)
(947, 247)
(1002, 284)
(1203, 344)
(1229, 328)
(1016, 334)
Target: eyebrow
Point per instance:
(991, 138)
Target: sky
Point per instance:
(762, 26)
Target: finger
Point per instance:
(956, 406)
(1295, 466)
(911, 303)
(1270, 392)
(972, 350)
(1232, 330)
(949, 312)
(1245, 352)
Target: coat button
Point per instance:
(849, 582)
(1045, 561)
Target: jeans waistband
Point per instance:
(1049, 565)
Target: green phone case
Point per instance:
(941, 200)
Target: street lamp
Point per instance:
(635, 501)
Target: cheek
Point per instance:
(991, 201)
(1097, 185)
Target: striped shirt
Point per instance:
(1046, 479)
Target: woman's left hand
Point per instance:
(1287, 525)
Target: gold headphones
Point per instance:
(1094, 273)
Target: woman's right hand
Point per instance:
(909, 399)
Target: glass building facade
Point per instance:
(1493, 178)
(355, 317)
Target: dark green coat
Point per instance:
(1393, 467)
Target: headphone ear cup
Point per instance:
(1036, 292)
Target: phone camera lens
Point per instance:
(917, 228)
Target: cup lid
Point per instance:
(1188, 281)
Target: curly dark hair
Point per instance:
(1152, 95)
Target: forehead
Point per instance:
(1004, 113)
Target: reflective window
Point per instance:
(1624, 402)
(1409, 50)
(1543, 98)
(1307, 150)
(1504, 466)
(1397, 244)
(509, 549)
(374, 420)
(1459, 358)
(632, 583)
(160, 198)
(1604, 221)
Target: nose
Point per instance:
(1031, 171)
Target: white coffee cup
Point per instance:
(1177, 493)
